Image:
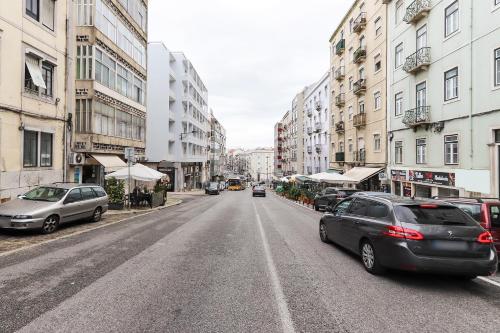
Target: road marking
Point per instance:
(286, 319)
(482, 278)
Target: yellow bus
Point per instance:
(235, 184)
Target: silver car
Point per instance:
(46, 207)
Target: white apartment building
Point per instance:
(444, 97)
(316, 127)
(178, 117)
(261, 164)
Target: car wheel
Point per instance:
(50, 224)
(322, 233)
(369, 258)
(96, 217)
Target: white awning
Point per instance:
(331, 177)
(110, 162)
(359, 174)
(137, 172)
(35, 72)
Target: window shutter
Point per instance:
(48, 7)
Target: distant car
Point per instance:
(413, 235)
(330, 196)
(46, 207)
(485, 211)
(212, 188)
(222, 186)
(258, 191)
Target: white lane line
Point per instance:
(482, 278)
(286, 319)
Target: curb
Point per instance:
(76, 233)
(293, 202)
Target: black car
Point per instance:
(413, 235)
(212, 188)
(258, 190)
(330, 196)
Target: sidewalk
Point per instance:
(192, 192)
(170, 202)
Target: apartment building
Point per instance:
(33, 98)
(287, 144)
(297, 133)
(238, 162)
(260, 166)
(444, 97)
(110, 107)
(178, 118)
(358, 86)
(316, 129)
(217, 152)
(278, 150)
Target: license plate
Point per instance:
(450, 245)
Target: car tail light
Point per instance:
(400, 232)
(485, 238)
(428, 206)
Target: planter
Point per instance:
(116, 206)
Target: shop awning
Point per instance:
(359, 174)
(110, 162)
(326, 177)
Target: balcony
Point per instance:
(417, 116)
(359, 120)
(418, 61)
(309, 112)
(359, 55)
(318, 148)
(340, 127)
(359, 87)
(359, 23)
(340, 47)
(340, 100)
(309, 130)
(317, 105)
(417, 10)
(339, 73)
(340, 157)
(309, 149)
(318, 127)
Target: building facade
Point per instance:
(358, 87)
(178, 118)
(316, 128)
(109, 113)
(217, 152)
(444, 96)
(33, 96)
(261, 164)
(278, 150)
(287, 143)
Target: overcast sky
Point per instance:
(253, 55)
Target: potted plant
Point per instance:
(116, 193)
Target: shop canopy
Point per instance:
(137, 172)
(110, 162)
(330, 177)
(359, 174)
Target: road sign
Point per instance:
(129, 153)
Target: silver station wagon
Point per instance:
(46, 207)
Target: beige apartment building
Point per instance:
(33, 98)
(110, 106)
(358, 85)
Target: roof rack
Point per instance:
(479, 200)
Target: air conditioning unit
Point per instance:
(77, 158)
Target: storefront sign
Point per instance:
(398, 175)
(429, 177)
(407, 190)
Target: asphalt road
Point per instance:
(228, 263)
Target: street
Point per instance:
(226, 263)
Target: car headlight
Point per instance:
(22, 217)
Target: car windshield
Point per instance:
(433, 215)
(51, 194)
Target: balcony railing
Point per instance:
(317, 105)
(317, 127)
(340, 127)
(340, 100)
(309, 130)
(340, 157)
(359, 55)
(340, 47)
(359, 23)
(359, 87)
(359, 120)
(309, 112)
(417, 116)
(339, 73)
(318, 148)
(309, 149)
(417, 10)
(418, 61)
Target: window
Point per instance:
(46, 143)
(399, 11)
(48, 78)
(33, 8)
(351, 21)
(351, 53)
(378, 26)
(104, 119)
(48, 13)
(376, 142)
(350, 83)
(451, 19)
(451, 84)
(350, 113)
(105, 69)
(451, 149)
(398, 104)
(497, 2)
(378, 63)
(422, 37)
(74, 195)
(378, 100)
(342, 207)
(84, 13)
(83, 111)
(361, 106)
(32, 75)
(350, 145)
(84, 61)
(398, 152)
(421, 150)
(421, 94)
(398, 56)
(87, 193)
(359, 207)
(30, 149)
(497, 66)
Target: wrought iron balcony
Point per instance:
(339, 73)
(359, 55)
(318, 148)
(340, 157)
(340, 47)
(359, 120)
(317, 127)
(309, 130)
(417, 116)
(317, 105)
(359, 23)
(418, 61)
(340, 100)
(359, 87)
(417, 10)
(340, 127)
(309, 149)
(309, 112)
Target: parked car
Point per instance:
(46, 207)
(330, 196)
(212, 188)
(258, 191)
(485, 211)
(413, 235)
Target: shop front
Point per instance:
(95, 167)
(168, 168)
(366, 179)
(424, 184)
